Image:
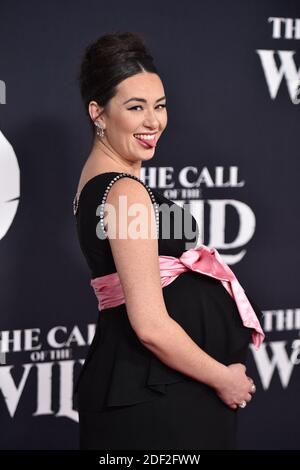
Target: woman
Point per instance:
(166, 368)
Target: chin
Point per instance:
(148, 157)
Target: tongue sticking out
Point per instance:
(150, 142)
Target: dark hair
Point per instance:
(109, 60)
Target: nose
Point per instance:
(151, 120)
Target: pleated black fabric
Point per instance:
(127, 398)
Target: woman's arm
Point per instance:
(137, 264)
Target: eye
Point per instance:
(134, 107)
(163, 105)
(139, 106)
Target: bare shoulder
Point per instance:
(128, 186)
(129, 195)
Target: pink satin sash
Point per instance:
(203, 260)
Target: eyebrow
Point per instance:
(143, 100)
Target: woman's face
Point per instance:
(135, 117)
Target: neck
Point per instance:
(104, 157)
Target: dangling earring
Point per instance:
(100, 130)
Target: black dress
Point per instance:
(127, 398)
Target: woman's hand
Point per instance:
(237, 388)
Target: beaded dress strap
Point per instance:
(116, 178)
(75, 203)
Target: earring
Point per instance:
(100, 130)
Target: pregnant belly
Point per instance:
(207, 312)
